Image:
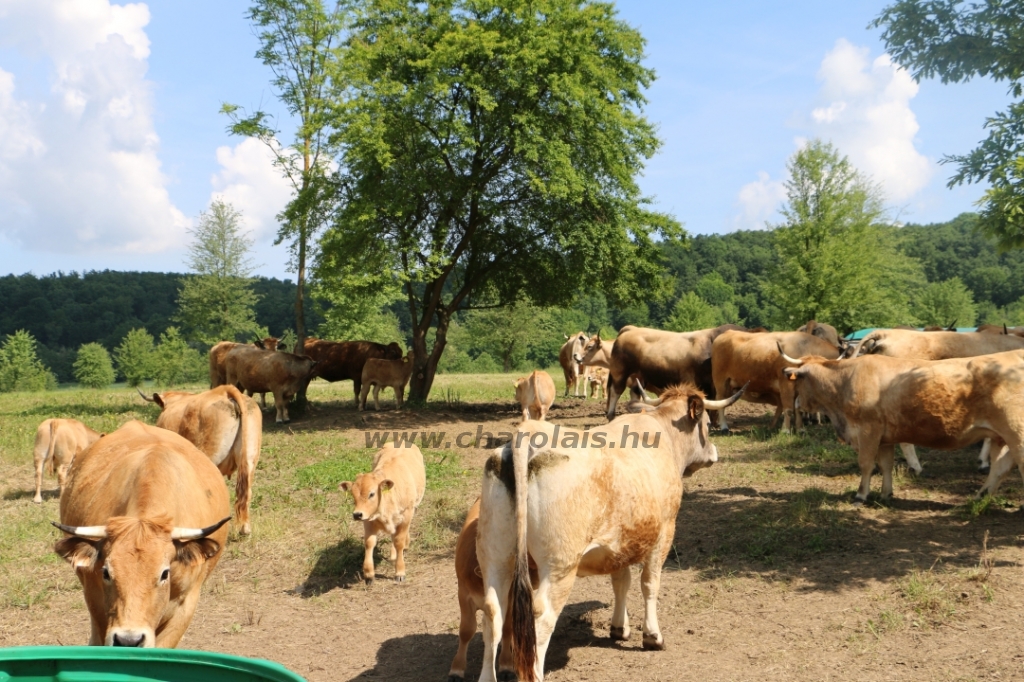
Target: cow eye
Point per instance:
(371, 495)
(165, 575)
(106, 574)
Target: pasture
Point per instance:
(774, 574)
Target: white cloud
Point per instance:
(759, 200)
(866, 113)
(248, 180)
(85, 174)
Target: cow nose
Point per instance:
(129, 639)
(358, 516)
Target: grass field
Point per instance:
(774, 572)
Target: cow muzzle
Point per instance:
(358, 515)
(134, 637)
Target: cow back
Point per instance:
(341, 360)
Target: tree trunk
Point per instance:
(300, 279)
(424, 366)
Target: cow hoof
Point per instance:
(858, 503)
(507, 676)
(984, 469)
(399, 578)
(654, 643)
(618, 634)
(37, 500)
(456, 678)
(368, 580)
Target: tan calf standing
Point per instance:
(385, 501)
(597, 378)
(535, 394)
(380, 373)
(57, 443)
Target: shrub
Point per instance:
(93, 367)
(20, 367)
(135, 356)
(176, 362)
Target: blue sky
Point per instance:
(110, 140)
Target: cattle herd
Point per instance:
(145, 509)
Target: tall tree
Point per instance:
(218, 302)
(835, 262)
(955, 41)
(488, 154)
(298, 41)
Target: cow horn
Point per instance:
(792, 361)
(197, 533)
(87, 532)
(951, 327)
(148, 400)
(722, 404)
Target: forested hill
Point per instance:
(713, 279)
(63, 311)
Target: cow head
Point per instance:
(578, 341)
(591, 349)
(393, 351)
(367, 491)
(134, 566)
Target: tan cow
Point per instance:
(535, 394)
(936, 345)
(145, 513)
(58, 442)
(753, 360)
(584, 508)
(597, 377)
(385, 501)
(265, 371)
(661, 359)
(876, 401)
(379, 373)
(227, 427)
(568, 358)
(218, 357)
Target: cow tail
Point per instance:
(242, 474)
(51, 467)
(524, 633)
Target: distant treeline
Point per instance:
(725, 272)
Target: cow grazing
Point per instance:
(535, 394)
(569, 358)
(753, 359)
(385, 501)
(265, 371)
(227, 427)
(145, 514)
(380, 374)
(341, 360)
(875, 402)
(938, 345)
(584, 509)
(661, 359)
(58, 442)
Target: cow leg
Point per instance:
(243, 487)
(886, 457)
(369, 542)
(376, 397)
(775, 419)
(1000, 465)
(467, 629)
(40, 461)
(399, 542)
(399, 397)
(867, 455)
(497, 581)
(650, 583)
(62, 476)
(361, 397)
(548, 602)
(620, 618)
(910, 454)
(281, 403)
(263, 400)
(614, 392)
(984, 456)
(357, 386)
(526, 413)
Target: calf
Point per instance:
(58, 441)
(597, 377)
(535, 394)
(385, 501)
(380, 374)
(876, 401)
(582, 509)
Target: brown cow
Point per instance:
(385, 501)
(825, 332)
(265, 371)
(227, 427)
(662, 359)
(218, 357)
(341, 360)
(582, 509)
(569, 358)
(58, 442)
(535, 394)
(753, 360)
(875, 402)
(145, 514)
(379, 374)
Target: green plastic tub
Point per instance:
(117, 664)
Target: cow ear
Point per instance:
(696, 405)
(158, 400)
(345, 485)
(78, 552)
(387, 484)
(191, 552)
